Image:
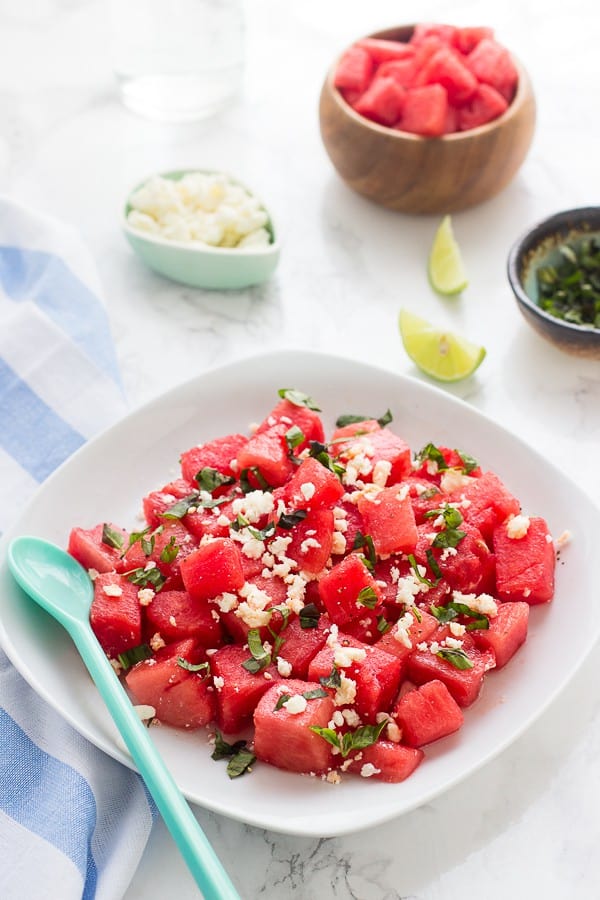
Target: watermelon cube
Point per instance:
(445, 34)
(312, 485)
(485, 105)
(427, 714)
(213, 568)
(181, 698)
(386, 761)
(115, 614)
(403, 71)
(425, 111)
(158, 502)
(237, 690)
(382, 51)
(216, 454)
(492, 64)
(393, 641)
(287, 413)
(390, 521)
(464, 684)
(283, 736)
(268, 452)
(506, 633)
(446, 67)
(525, 565)
(469, 569)
(382, 102)
(312, 540)
(176, 616)
(87, 547)
(301, 645)
(466, 39)
(348, 590)
(353, 71)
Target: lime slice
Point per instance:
(446, 269)
(440, 354)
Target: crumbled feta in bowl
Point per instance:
(201, 228)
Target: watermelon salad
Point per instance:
(326, 605)
(443, 80)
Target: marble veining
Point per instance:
(526, 823)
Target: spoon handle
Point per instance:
(195, 848)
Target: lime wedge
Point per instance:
(440, 354)
(446, 268)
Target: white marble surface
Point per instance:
(526, 824)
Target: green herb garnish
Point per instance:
(362, 737)
(260, 657)
(321, 453)
(383, 626)
(245, 485)
(111, 537)
(143, 577)
(291, 519)
(309, 616)
(193, 667)
(240, 758)
(333, 680)
(469, 462)
(570, 289)
(169, 551)
(308, 695)
(210, 479)
(452, 610)
(367, 597)
(365, 542)
(456, 658)
(298, 398)
(134, 655)
(430, 451)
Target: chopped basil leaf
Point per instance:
(443, 614)
(319, 452)
(111, 537)
(383, 626)
(367, 597)
(210, 479)
(259, 533)
(429, 493)
(349, 419)
(386, 418)
(451, 610)
(193, 667)
(362, 737)
(298, 398)
(283, 698)
(240, 763)
(469, 463)
(414, 566)
(223, 749)
(333, 680)
(260, 657)
(134, 655)
(452, 517)
(142, 577)
(365, 542)
(294, 436)
(309, 616)
(245, 485)
(315, 694)
(284, 611)
(449, 538)
(456, 658)
(169, 551)
(433, 565)
(182, 507)
(289, 520)
(430, 451)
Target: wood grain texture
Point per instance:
(412, 174)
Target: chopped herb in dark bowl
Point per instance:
(554, 272)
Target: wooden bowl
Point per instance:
(537, 247)
(414, 174)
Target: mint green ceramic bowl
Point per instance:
(201, 265)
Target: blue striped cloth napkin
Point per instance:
(73, 822)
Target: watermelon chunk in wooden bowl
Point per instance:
(427, 119)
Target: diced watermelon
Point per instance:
(175, 616)
(390, 521)
(444, 33)
(312, 485)
(506, 632)
(268, 452)
(466, 39)
(312, 539)
(301, 645)
(377, 675)
(353, 429)
(470, 569)
(213, 569)
(382, 102)
(425, 110)
(485, 105)
(446, 67)
(205, 521)
(188, 649)
(287, 413)
(353, 521)
(427, 714)
(237, 690)
(169, 548)
(525, 566)
(492, 64)
(115, 614)
(284, 739)
(348, 589)
(87, 547)
(353, 71)
(423, 626)
(403, 71)
(386, 761)
(464, 684)
(158, 502)
(485, 503)
(382, 51)
(181, 698)
(378, 445)
(276, 590)
(216, 454)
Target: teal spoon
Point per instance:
(61, 586)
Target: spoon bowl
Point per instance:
(61, 586)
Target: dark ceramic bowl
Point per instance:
(538, 247)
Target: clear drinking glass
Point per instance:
(177, 60)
